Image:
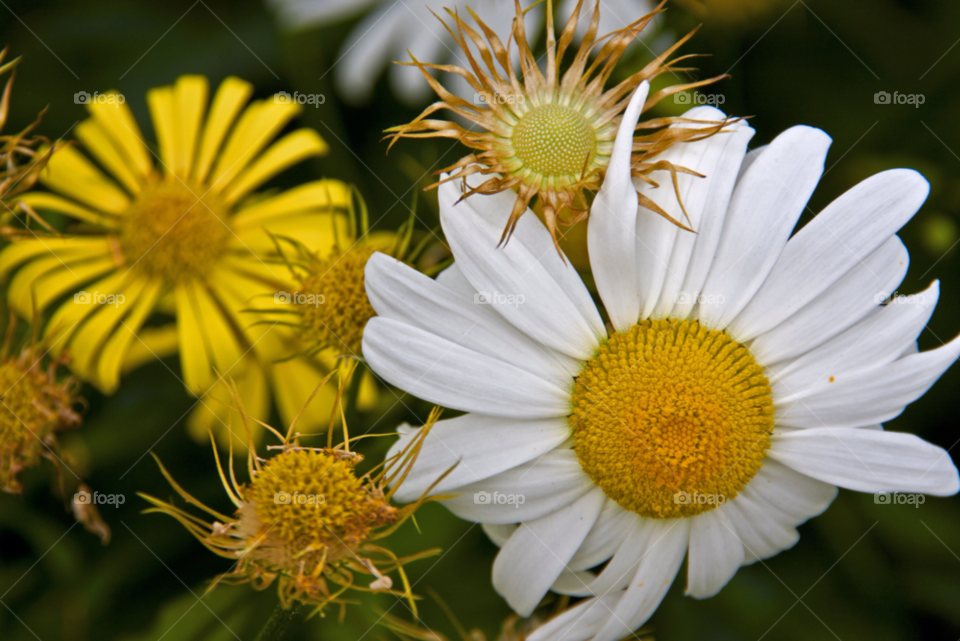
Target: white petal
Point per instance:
(877, 340)
(573, 583)
(526, 280)
(850, 228)
(499, 533)
(795, 495)
(716, 553)
(751, 156)
(366, 51)
(580, 622)
(706, 200)
(401, 293)
(616, 575)
(848, 301)
(608, 533)
(452, 278)
(448, 374)
(763, 211)
(869, 396)
(536, 554)
(479, 446)
(652, 580)
(427, 40)
(525, 492)
(612, 227)
(868, 460)
(763, 531)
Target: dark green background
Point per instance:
(860, 571)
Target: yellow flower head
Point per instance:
(35, 406)
(307, 520)
(545, 134)
(179, 232)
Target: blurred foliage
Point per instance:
(860, 571)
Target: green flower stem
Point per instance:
(279, 621)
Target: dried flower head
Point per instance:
(306, 520)
(36, 405)
(549, 135)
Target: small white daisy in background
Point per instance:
(392, 27)
(744, 375)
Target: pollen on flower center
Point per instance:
(554, 140)
(311, 507)
(334, 304)
(174, 231)
(671, 419)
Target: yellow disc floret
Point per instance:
(554, 140)
(335, 307)
(175, 231)
(34, 408)
(311, 507)
(671, 419)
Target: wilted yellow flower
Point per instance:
(550, 135)
(179, 235)
(36, 405)
(307, 520)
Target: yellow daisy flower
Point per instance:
(179, 235)
(549, 135)
(306, 520)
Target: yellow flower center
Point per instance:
(334, 304)
(174, 231)
(671, 419)
(310, 505)
(554, 140)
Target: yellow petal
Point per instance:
(68, 316)
(314, 230)
(293, 383)
(41, 200)
(231, 96)
(191, 95)
(154, 343)
(239, 292)
(256, 128)
(114, 352)
(220, 337)
(215, 413)
(99, 143)
(71, 247)
(369, 393)
(118, 120)
(288, 151)
(46, 279)
(198, 373)
(160, 100)
(319, 195)
(86, 344)
(70, 173)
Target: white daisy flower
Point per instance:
(743, 377)
(394, 27)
